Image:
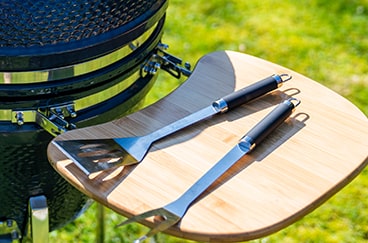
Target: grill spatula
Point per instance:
(94, 155)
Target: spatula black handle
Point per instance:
(274, 119)
(253, 91)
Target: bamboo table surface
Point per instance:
(310, 157)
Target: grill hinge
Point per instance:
(165, 61)
(52, 119)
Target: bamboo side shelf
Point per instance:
(314, 154)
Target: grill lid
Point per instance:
(45, 34)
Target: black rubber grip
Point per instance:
(274, 119)
(251, 92)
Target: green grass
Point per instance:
(324, 40)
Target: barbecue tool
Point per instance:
(174, 211)
(94, 155)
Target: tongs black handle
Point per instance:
(269, 123)
(255, 90)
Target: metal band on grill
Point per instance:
(37, 76)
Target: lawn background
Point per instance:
(324, 40)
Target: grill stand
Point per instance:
(38, 220)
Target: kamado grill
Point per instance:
(66, 64)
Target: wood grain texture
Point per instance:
(314, 154)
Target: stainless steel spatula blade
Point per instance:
(94, 155)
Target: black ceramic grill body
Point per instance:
(88, 53)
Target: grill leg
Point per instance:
(38, 220)
(100, 231)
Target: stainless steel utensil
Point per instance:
(101, 154)
(174, 211)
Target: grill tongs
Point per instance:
(173, 212)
